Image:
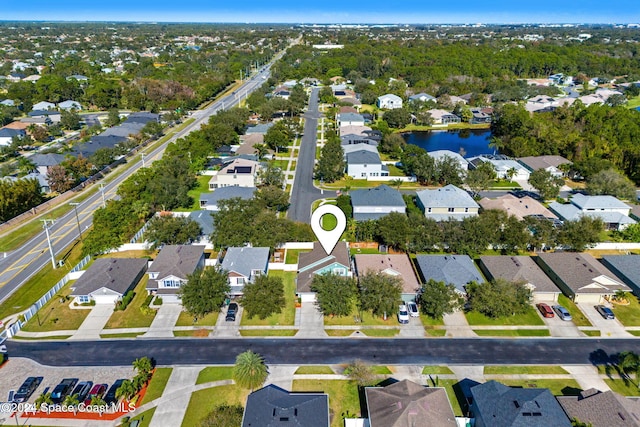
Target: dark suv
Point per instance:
(63, 389)
(231, 312)
(26, 389)
(110, 397)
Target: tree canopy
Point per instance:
(263, 297)
(204, 292)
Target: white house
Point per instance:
(374, 203)
(7, 134)
(446, 202)
(389, 102)
(613, 212)
(239, 173)
(108, 279)
(443, 117)
(44, 105)
(365, 164)
(549, 163)
(169, 271)
(70, 105)
(504, 167)
(439, 155)
(350, 119)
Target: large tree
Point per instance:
(250, 371)
(263, 297)
(547, 185)
(393, 230)
(480, 178)
(397, 118)
(335, 294)
(205, 291)
(330, 166)
(379, 293)
(613, 183)
(499, 298)
(171, 230)
(580, 234)
(223, 416)
(438, 298)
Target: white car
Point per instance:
(412, 307)
(403, 314)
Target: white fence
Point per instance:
(11, 331)
(612, 246)
(298, 245)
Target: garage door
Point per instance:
(170, 299)
(545, 297)
(589, 298)
(105, 299)
(308, 297)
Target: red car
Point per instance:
(98, 390)
(545, 310)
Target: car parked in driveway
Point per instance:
(110, 397)
(403, 314)
(63, 389)
(545, 310)
(26, 389)
(562, 312)
(412, 307)
(82, 389)
(605, 312)
(232, 310)
(97, 391)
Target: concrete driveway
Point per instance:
(414, 329)
(457, 325)
(94, 323)
(164, 322)
(558, 327)
(228, 329)
(608, 328)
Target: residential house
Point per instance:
(389, 102)
(15, 77)
(447, 202)
(169, 271)
(318, 262)
(32, 78)
(551, 164)
(455, 100)
(348, 149)
(505, 168)
(354, 130)
(406, 404)
(443, 117)
(395, 265)
(43, 105)
(422, 97)
(70, 105)
(350, 119)
(261, 128)
(282, 92)
(108, 279)
(244, 265)
(8, 102)
(78, 77)
(211, 201)
(613, 212)
(479, 117)
(495, 404)
(44, 161)
(365, 164)
(7, 135)
(440, 155)
(42, 181)
(602, 409)
(458, 270)
(626, 267)
(44, 116)
(520, 207)
(374, 203)
(276, 407)
(580, 276)
(205, 221)
(352, 139)
(520, 269)
(541, 103)
(343, 94)
(239, 172)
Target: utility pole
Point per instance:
(104, 203)
(142, 156)
(75, 209)
(46, 226)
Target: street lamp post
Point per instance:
(142, 155)
(104, 202)
(75, 209)
(46, 230)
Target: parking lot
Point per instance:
(17, 370)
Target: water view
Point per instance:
(467, 142)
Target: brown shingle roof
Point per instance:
(406, 403)
(518, 268)
(602, 409)
(518, 207)
(310, 262)
(398, 265)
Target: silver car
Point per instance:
(562, 312)
(412, 307)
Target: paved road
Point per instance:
(177, 351)
(304, 193)
(24, 262)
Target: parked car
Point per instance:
(82, 389)
(26, 389)
(110, 397)
(562, 312)
(63, 389)
(545, 310)
(231, 312)
(412, 307)
(605, 312)
(403, 314)
(98, 391)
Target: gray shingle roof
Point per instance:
(116, 274)
(518, 268)
(458, 270)
(383, 195)
(204, 220)
(602, 409)
(246, 260)
(350, 117)
(50, 159)
(225, 193)
(448, 196)
(626, 267)
(10, 133)
(272, 406)
(175, 260)
(363, 157)
(597, 202)
(496, 404)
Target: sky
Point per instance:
(327, 11)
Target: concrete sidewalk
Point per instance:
(171, 412)
(311, 322)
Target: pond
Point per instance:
(467, 142)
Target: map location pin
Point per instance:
(328, 238)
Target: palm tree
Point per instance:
(621, 295)
(396, 183)
(143, 365)
(629, 363)
(44, 398)
(126, 390)
(26, 166)
(250, 371)
(72, 400)
(510, 174)
(261, 150)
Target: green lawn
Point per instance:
(292, 256)
(48, 338)
(145, 417)
(592, 333)
(203, 401)
(381, 370)
(202, 187)
(215, 373)
(132, 317)
(559, 387)
(287, 315)
(314, 370)
(579, 319)
(185, 319)
(386, 333)
(454, 392)
(56, 315)
(121, 335)
(634, 102)
(343, 396)
(628, 315)
(395, 171)
(501, 185)
(268, 332)
(339, 332)
(40, 283)
(157, 385)
(435, 332)
(524, 369)
(356, 251)
(436, 370)
(512, 332)
(367, 320)
(625, 388)
(197, 333)
(529, 318)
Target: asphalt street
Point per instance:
(304, 193)
(178, 351)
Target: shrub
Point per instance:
(157, 301)
(126, 299)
